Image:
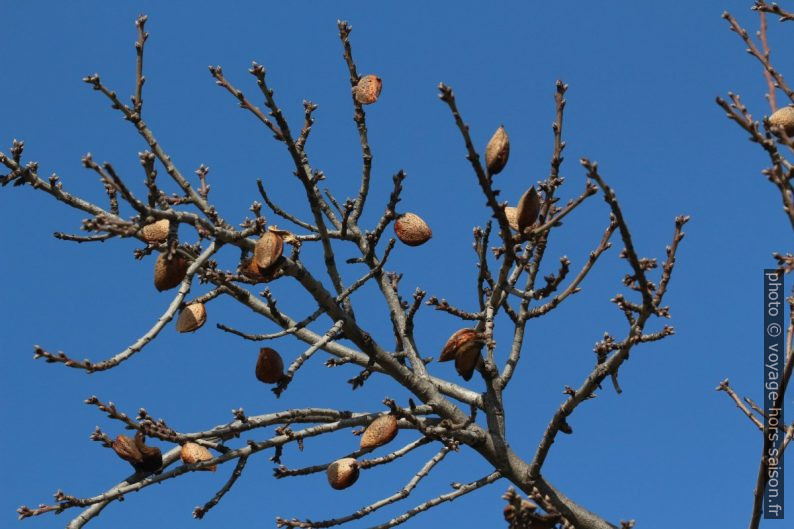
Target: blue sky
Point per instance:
(642, 77)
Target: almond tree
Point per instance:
(775, 135)
(187, 233)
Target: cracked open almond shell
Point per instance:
(156, 232)
(191, 318)
(143, 458)
(412, 230)
(379, 432)
(342, 473)
(269, 366)
(497, 151)
(168, 273)
(463, 340)
(267, 252)
(193, 453)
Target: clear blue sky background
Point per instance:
(643, 76)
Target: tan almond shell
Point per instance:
(784, 118)
(342, 473)
(379, 432)
(269, 366)
(497, 151)
(512, 217)
(528, 209)
(267, 251)
(156, 232)
(191, 318)
(412, 230)
(193, 453)
(368, 89)
(462, 338)
(168, 274)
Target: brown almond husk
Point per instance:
(368, 89)
(268, 251)
(152, 457)
(269, 366)
(497, 151)
(784, 119)
(169, 273)
(191, 318)
(156, 232)
(462, 339)
(125, 448)
(412, 230)
(379, 432)
(528, 209)
(466, 360)
(342, 473)
(193, 453)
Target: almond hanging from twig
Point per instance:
(169, 273)
(497, 151)
(191, 318)
(528, 209)
(269, 366)
(368, 89)
(268, 251)
(784, 119)
(156, 232)
(412, 230)
(379, 432)
(342, 473)
(193, 453)
(463, 340)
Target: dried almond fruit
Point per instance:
(497, 151)
(268, 251)
(169, 273)
(461, 340)
(466, 361)
(379, 432)
(528, 209)
(412, 230)
(156, 232)
(193, 453)
(368, 89)
(191, 318)
(784, 119)
(269, 366)
(142, 458)
(342, 473)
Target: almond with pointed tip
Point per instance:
(368, 89)
(497, 151)
(379, 432)
(269, 366)
(156, 232)
(268, 251)
(191, 318)
(342, 473)
(461, 340)
(169, 273)
(528, 209)
(784, 119)
(412, 230)
(193, 453)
